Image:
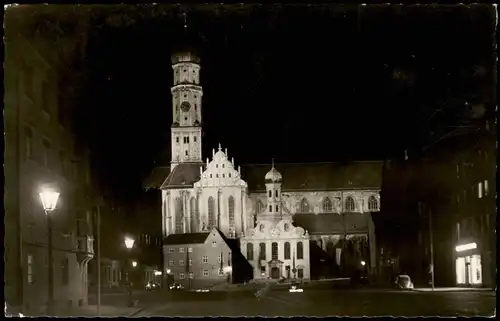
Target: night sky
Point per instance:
(294, 83)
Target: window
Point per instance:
(28, 142)
(485, 187)
(219, 258)
(372, 203)
(65, 271)
(216, 175)
(171, 250)
(480, 190)
(229, 175)
(190, 249)
(300, 251)
(300, 273)
(211, 214)
(205, 272)
(223, 175)
(286, 227)
(191, 275)
(30, 269)
(349, 204)
(204, 259)
(249, 251)
(194, 139)
(181, 250)
(304, 206)
(214, 244)
(190, 262)
(270, 208)
(187, 139)
(259, 207)
(270, 193)
(277, 208)
(181, 275)
(327, 205)
(181, 262)
(221, 272)
(171, 263)
(230, 208)
(179, 217)
(46, 152)
(177, 140)
(262, 251)
(276, 193)
(287, 251)
(186, 153)
(274, 251)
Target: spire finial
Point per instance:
(220, 147)
(273, 162)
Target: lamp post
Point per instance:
(129, 244)
(49, 201)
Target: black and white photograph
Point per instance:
(250, 159)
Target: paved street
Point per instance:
(315, 301)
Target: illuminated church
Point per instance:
(291, 220)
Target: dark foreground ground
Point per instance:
(316, 301)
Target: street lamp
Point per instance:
(49, 202)
(129, 244)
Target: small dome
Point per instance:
(273, 176)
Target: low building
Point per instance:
(198, 260)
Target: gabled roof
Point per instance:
(317, 176)
(187, 238)
(183, 175)
(156, 178)
(332, 223)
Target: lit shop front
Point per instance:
(468, 267)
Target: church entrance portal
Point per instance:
(275, 273)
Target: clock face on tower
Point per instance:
(185, 106)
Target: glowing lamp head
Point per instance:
(168, 271)
(129, 242)
(49, 200)
(157, 273)
(134, 263)
(363, 263)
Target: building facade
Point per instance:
(330, 203)
(203, 259)
(41, 152)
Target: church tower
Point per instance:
(186, 109)
(273, 188)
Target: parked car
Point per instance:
(403, 282)
(176, 286)
(152, 286)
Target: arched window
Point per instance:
(270, 193)
(179, 216)
(259, 207)
(250, 252)
(300, 250)
(274, 251)
(287, 250)
(262, 251)
(211, 212)
(193, 223)
(372, 203)
(349, 204)
(230, 209)
(327, 205)
(304, 206)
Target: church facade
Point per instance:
(291, 220)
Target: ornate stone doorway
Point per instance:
(275, 268)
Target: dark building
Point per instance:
(442, 206)
(42, 150)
